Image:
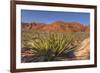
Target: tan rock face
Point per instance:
(83, 51)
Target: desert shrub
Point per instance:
(50, 46)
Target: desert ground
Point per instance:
(58, 41)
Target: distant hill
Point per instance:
(58, 26)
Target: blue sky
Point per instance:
(29, 16)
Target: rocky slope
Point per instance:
(58, 26)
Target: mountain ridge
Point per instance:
(57, 26)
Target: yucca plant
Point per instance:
(51, 46)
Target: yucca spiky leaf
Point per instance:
(52, 45)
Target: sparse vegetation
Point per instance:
(51, 46)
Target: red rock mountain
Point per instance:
(58, 26)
